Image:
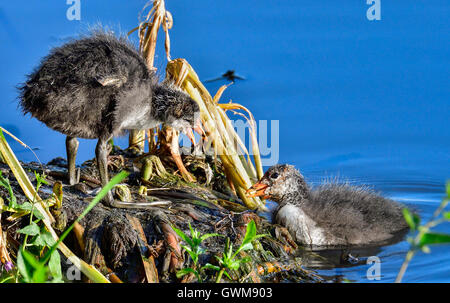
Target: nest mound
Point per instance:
(139, 244)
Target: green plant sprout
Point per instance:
(41, 240)
(194, 249)
(4, 182)
(228, 261)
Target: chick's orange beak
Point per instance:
(258, 190)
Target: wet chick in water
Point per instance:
(332, 215)
(95, 88)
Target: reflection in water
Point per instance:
(345, 257)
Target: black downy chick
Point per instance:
(95, 88)
(333, 215)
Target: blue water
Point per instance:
(365, 101)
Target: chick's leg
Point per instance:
(101, 153)
(71, 149)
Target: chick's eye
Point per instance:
(274, 176)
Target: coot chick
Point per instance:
(333, 215)
(95, 88)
